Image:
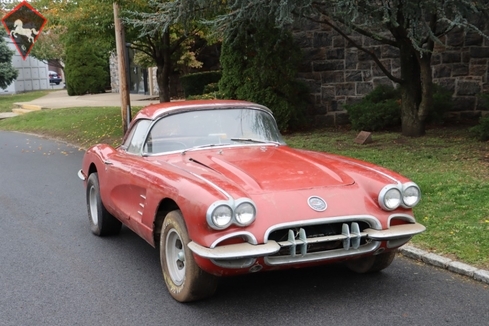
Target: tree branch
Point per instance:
(361, 48)
(357, 29)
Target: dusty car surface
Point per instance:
(214, 187)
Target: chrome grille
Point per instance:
(306, 243)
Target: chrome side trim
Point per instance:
(212, 185)
(81, 175)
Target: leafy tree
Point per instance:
(49, 47)
(7, 72)
(261, 66)
(67, 33)
(163, 37)
(413, 27)
(93, 20)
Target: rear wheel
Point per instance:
(101, 221)
(183, 277)
(373, 263)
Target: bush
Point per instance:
(378, 110)
(194, 84)
(481, 131)
(259, 64)
(381, 108)
(86, 71)
(206, 96)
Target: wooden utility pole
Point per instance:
(121, 63)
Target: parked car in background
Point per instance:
(54, 78)
(215, 188)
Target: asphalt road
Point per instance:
(53, 271)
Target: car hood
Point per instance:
(266, 168)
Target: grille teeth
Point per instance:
(352, 239)
(340, 238)
(301, 242)
(356, 237)
(297, 242)
(345, 230)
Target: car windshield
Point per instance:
(213, 127)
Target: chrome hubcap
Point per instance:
(92, 199)
(175, 257)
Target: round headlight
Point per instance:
(221, 217)
(245, 214)
(390, 198)
(411, 195)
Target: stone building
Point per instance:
(338, 73)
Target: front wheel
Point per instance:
(185, 280)
(101, 221)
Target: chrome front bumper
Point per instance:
(395, 236)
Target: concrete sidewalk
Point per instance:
(60, 99)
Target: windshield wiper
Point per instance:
(211, 145)
(251, 140)
(206, 145)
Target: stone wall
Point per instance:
(338, 73)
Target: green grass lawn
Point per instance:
(450, 167)
(7, 101)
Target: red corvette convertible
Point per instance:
(213, 186)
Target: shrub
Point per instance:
(481, 131)
(86, 71)
(259, 64)
(378, 110)
(381, 108)
(206, 96)
(194, 84)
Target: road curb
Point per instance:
(445, 263)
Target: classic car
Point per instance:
(213, 186)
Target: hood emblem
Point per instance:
(317, 203)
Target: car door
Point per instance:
(127, 177)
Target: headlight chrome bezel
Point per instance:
(233, 205)
(402, 190)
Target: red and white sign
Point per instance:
(24, 24)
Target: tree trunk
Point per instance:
(163, 64)
(426, 87)
(412, 94)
